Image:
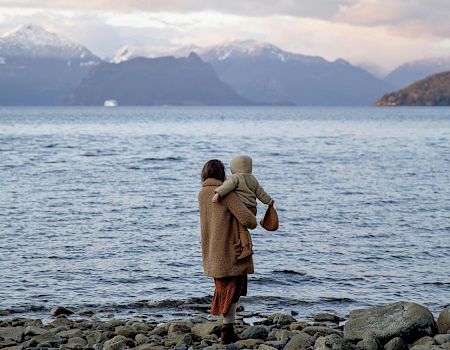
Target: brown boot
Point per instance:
(227, 334)
(246, 251)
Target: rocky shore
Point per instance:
(399, 326)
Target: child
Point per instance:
(248, 189)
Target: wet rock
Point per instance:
(283, 335)
(126, 331)
(142, 327)
(300, 341)
(266, 347)
(369, 343)
(178, 339)
(160, 330)
(333, 342)
(248, 343)
(318, 331)
(205, 329)
(281, 319)
(7, 343)
(71, 333)
(443, 321)
(95, 337)
(49, 338)
(276, 344)
(424, 341)
(12, 333)
(110, 325)
(177, 327)
(86, 311)
(442, 338)
(427, 347)
(298, 326)
(61, 321)
(181, 347)
(402, 319)
(60, 310)
(141, 339)
(76, 343)
(396, 343)
(255, 332)
(119, 342)
(327, 317)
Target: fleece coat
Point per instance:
(219, 232)
(243, 183)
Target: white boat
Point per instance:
(110, 103)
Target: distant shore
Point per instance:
(397, 326)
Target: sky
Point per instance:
(381, 34)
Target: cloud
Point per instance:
(307, 8)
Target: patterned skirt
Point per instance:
(228, 291)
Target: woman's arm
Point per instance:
(239, 210)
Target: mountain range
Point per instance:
(42, 68)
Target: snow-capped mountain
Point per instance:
(38, 67)
(410, 72)
(31, 41)
(244, 48)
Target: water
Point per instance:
(99, 206)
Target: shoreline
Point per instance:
(397, 326)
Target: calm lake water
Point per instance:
(99, 206)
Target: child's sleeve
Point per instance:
(228, 186)
(261, 194)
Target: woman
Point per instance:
(221, 246)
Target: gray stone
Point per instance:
(95, 337)
(61, 321)
(424, 341)
(402, 319)
(396, 343)
(141, 339)
(33, 330)
(60, 310)
(119, 342)
(266, 347)
(248, 343)
(284, 335)
(276, 344)
(177, 327)
(7, 343)
(370, 343)
(319, 331)
(205, 329)
(333, 342)
(71, 333)
(298, 326)
(255, 332)
(442, 338)
(12, 333)
(49, 338)
(443, 321)
(327, 317)
(281, 319)
(181, 347)
(300, 341)
(76, 343)
(427, 347)
(160, 330)
(86, 311)
(126, 331)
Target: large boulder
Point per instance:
(255, 332)
(205, 329)
(300, 341)
(12, 333)
(409, 321)
(396, 343)
(443, 321)
(280, 319)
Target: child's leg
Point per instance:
(246, 239)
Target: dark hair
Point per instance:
(215, 169)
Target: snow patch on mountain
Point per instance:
(32, 41)
(245, 48)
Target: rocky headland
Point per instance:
(431, 91)
(398, 326)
